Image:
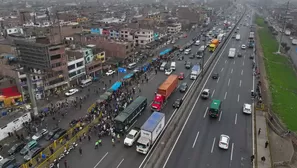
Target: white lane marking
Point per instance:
(222, 69)
(231, 157)
(205, 112)
(213, 143)
(240, 83)
(235, 119)
(229, 82)
(243, 63)
(213, 92)
(221, 115)
(232, 70)
(101, 160)
(185, 123)
(218, 80)
(238, 97)
(120, 163)
(225, 61)
(197, 135)
(241, 72)
(225, 95)
(234, 62)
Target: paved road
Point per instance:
(198, 143)
(120, 156)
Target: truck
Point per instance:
(213, 45)
(237, 37)
(163, 93)
(132, 136)
(150, 131)
(252, 35)
(221, 37)
(232, 52)
(195, 72)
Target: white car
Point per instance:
(247, 108)
(205, 93)
(243, 46)
(110, 72)
(71, 92)
(168, 71)
(224, 141)
(39, 134)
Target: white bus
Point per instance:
(86, 82)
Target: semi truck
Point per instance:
(163, 93)
(213, 45)
(232, 52)
(150, 131)
(195, 72)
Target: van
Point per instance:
(85, 83)
(132, 65)
(163, 65)
(237, 37)
(173, 66)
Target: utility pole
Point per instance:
(284, 27)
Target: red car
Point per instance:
(181, 76)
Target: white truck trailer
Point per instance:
(150, 131)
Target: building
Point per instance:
(127, 34)
(96, 67)
(46, 60)
(143, 37)
(113, 48)
(174, 28)
(76, 65)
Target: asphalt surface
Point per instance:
(198, 144)
(121, 156)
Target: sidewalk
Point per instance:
(261, 140)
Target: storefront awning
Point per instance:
(11, 92)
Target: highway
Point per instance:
(120, 156)
(197, 143)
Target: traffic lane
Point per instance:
(119, 152)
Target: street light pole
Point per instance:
(203, 54)
(283, 29)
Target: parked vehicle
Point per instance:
(16, 148)
(29, 146)
(52, 133)
(39, 134)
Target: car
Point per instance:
(39, 134)
(110, 72)
(177, 103)
(35, 151)
(205, 93)
(6, 162)
(183, 87)
(71, 92)
(239, 54)
(192, 56)
(168, 71)
(59, 134)
(181, 76)
(137, 70)
(52, 133)
(247, 108)
(1, 158)
(224, 141)
(252, 56)
(30, 145)
(233, 36)
(15, 148)
(215, 75)
(188, 65)
(181, 49)
(243, 46)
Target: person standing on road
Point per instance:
(80, 151)
(252, 158)
(119, 138)
(96, 145)
(266, 144)
(65, 163)
(112, 141)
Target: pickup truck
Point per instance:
(132, 136)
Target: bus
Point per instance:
(215, 108)
(126, 118)
(85, 83)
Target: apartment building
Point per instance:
(174, 28)
(143, 37)
(47, 60)
(127, 34)
(96, 67)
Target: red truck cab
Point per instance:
(164, 91)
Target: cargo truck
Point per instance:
(150, 131)
(195, 72)
(163, 93)
(213, 45)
